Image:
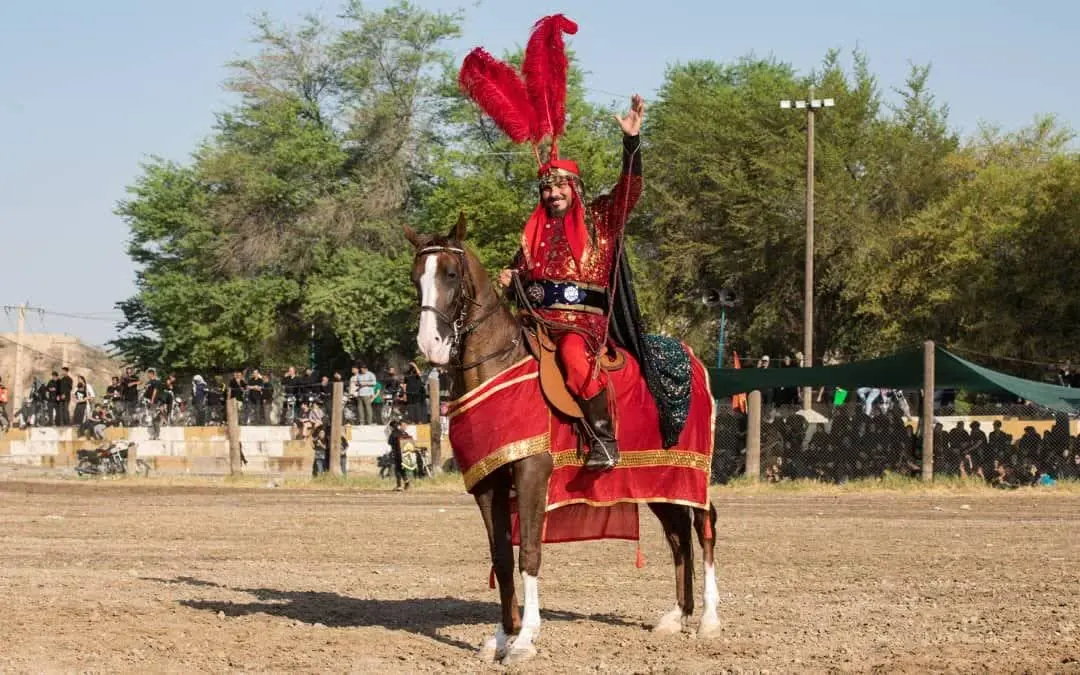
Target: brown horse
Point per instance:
(466, 327)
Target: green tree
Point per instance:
(986, 267)
(298, 194)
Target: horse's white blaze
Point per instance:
(432, 345)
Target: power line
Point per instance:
(88, 316)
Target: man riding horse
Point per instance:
(570, 249)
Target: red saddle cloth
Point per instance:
(507, 418)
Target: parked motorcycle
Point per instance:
(108, 461)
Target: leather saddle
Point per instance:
(552, 378)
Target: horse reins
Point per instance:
(458, 324)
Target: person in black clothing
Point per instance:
(324, 393)
(82, 399)
(290, 384)
(152, 390)
(114, 392)
(415, 394)
(267, 398)
(215, 400)
(236, 392)
(52, 399)
(320, 443)
(397, 433)
(198, 399)
(254, 399)
(167, 397)
(130, 387)
(63, 399)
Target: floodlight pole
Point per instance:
(810, 105)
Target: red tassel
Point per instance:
(545, 67)
(639, 561)
(708, 525)
(499, 91)
(491, 578)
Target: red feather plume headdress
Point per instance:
(497, 88)
(531, 107)
(545, 67)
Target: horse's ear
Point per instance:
(459, 230)
(412, 236)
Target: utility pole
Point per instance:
(810, 105)
(16, 386)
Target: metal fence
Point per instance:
(1002, 444)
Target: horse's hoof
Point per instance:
(493, 649)
(710, 626)
(488, 654)
(518, 655)
(669, 624)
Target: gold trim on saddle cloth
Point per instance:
(685, 459)
(511, 452)
(472, 403)
(479, 389)
(642, 500)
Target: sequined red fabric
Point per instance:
(551, 257)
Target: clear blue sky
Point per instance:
(89, 89)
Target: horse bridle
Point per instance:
(461, 330)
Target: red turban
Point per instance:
(573, 222)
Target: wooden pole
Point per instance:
(436, 422)
(16, 386)
(232, 419)
(132, 459)
(337, 408)
(753, 436)
(808, 290)
(928, 412)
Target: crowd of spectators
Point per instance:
(293, 399)
(854, 444)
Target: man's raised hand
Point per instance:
(631, 123)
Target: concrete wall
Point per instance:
(200, 450)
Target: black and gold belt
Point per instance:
(570, 295)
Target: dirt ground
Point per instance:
(112, 577)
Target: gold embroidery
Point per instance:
(473, 402)
(511, 452)
(633, 459)
(642, 500)
(480, 389)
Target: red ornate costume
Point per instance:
(565, 253)
(567, 262)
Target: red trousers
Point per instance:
(578, 364)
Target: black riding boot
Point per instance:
(599, 433)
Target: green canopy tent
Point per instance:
(902, 370)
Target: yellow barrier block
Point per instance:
(299, 448)
(206, 449)
(166, 463)
(289, 464)
(116, 433)
(205, 434)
